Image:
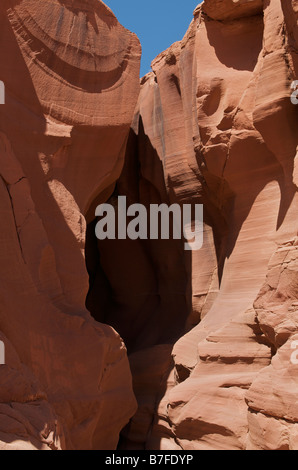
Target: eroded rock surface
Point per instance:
(71, 74)
(211, 334)
(215, 125)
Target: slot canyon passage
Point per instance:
(141, 344)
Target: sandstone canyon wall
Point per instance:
(215, 125)
(71, 74)
(209, 333)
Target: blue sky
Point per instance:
(157, 23)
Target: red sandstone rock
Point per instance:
(210, 334)
(232, 9)
(215, 119)
(71, 77)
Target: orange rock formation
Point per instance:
(71, 74)
(210, 334)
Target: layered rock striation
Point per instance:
(71, 75)
(215, 125)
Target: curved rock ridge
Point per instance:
(215, 125)
(71, 75)
(77, 47)
(226, 10)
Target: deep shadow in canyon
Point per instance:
(139, 287)
(143, 288)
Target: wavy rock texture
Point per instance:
(72, 80)
(214, 125)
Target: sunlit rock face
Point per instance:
(232, 9)
(215, 125)
(71, 74)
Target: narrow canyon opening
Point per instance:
(142, 288)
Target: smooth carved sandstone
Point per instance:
(215, 125)
(72, 80)
(232, 9)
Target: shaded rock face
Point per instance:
(215, 125)
(71, 74)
